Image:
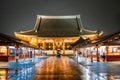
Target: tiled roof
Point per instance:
(58, 26)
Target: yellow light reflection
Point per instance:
(3, 74)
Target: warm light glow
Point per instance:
(2, 78)
(3, 72)
(48, 40)
(114, 50)
(91, 37)
(3, 50)
(39, 41)
(11, 46)
(34, 40)
(66, 40)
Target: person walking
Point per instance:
(104, 56)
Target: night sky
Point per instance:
(17, 15)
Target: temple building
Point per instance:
(53, 33)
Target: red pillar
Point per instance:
(6, 74)
(91, 55)
(107, 52)
(8, 51)
(34, 53)
(24, 53)
(97, 53)
(16, 56)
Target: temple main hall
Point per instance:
(52, 33)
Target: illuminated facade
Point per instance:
(56, 32)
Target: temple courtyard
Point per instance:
(60, 48)
(59, 68)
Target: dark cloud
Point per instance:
(17, 15)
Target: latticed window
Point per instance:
(68, 46)
(40, 45)
(49, 46)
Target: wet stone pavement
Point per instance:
(102, 69)
(63, 68)
(57, 69)
(52, 68)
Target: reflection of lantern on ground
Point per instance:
(3, 74)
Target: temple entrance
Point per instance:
(56, 32)
(52, 46)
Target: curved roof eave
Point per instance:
(28, 32)
(90, 32)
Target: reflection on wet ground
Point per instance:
(52, 68)
(63, 68)
(23, 70)
(57, 69)
(103, 69)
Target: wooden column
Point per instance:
(63, 47)
(43, 45)
(16, 55)
(97, 53)
(91, 55)
(106, 52)
(34, 54)
(8, 51)
(39, 52)
(24, 53)
(27, 54)
(6, 74)
(53, 47)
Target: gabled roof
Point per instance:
(113, 43)
(80, 41)
(8, 40)
(58, 26)
(110, 38)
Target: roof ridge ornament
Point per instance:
(58, 17)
